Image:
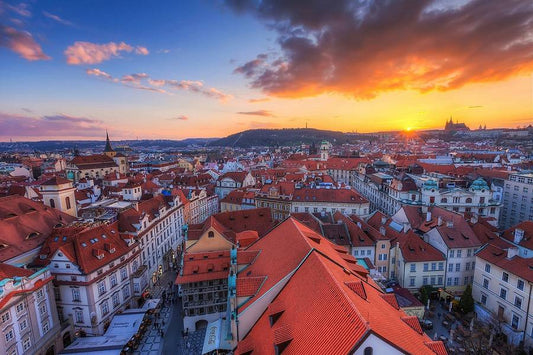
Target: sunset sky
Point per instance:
(179, 69)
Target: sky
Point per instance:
(183, 69)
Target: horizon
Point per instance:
(209, 70)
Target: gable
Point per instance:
(206, 243)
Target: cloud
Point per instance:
(180, 118)
(262, 99)
(57, 18)
(144, 82)
(21, 42)
(60, 125)
(92, 53)
(263, 113)
(21, 9)
(364, 48)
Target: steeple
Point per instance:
(108, 150)
(107, 143)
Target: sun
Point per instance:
(409, 129)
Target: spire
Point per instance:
(107, 143)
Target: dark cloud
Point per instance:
(362, 48)
(49, 126)
(263, 113)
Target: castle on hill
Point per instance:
(450, 126)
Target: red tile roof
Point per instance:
(82, 243)
(56, 180)
(9, 271)
(248, 286)
(415, 249)
(206, 266)
(517, 265)
(308, 195)
(25, 225)
(527, 240)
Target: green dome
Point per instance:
(431, 184)
(479, 184)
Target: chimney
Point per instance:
(383, 220)
(439, 221)
(382, 230)
(428, 216)
(136, 206)
(518, 235)
(405, 227)
(359, 225)
(449, 224)
(511, 252)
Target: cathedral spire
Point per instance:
(107, 143)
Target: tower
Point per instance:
(58, 193)
(108, 150)
(324, 150)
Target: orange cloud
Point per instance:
(92, 53)
(363, 49)
(22, 43)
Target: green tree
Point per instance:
(424, 295)
(466, 303)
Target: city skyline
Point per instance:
(201, 69)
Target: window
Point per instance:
(78, 316)
(46, 327)
(413, 267)
(449, 281)
(40, 293)
(123, 273)
(412, 281)
(441, 266)
(211, 234)
(126, 292)
(459, 253)
(67, 202)
(425, 280)
(439, 280)
(452, 253)
(515, 321)
(23, 324)
(469, 252)
(382, 246)
(518, 302)
(426, 266)
(520, 285)
(485, 283)
(101, 288)
(26, 344)
(487, 268)
(465, 281)
(113, 279)
(116, 300)
(42, 309)
(433, 279)
(450, 267)
(20, 307)
(368, 252)
(76, 294)
(503, 293)
(52, 203)
(505, 277)
(456, 281)
(5, 317)
(483, 299)
(105, 308)
(457, 267)
(9, 335)
(467, 266)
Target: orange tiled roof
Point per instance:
(248, 286)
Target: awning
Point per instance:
(215, 337)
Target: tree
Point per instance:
(466, 303)
(424, 295)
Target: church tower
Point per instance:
(324, 150)
(108, 150)
(58, 193)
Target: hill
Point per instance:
(281, 137)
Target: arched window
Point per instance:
(468, 200)
(368, 350)
(211, 234)
(444, 200)
(67, 202)
(52, 203)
